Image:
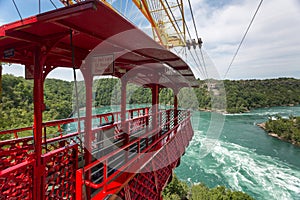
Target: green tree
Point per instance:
(176, 189)
(287, 129)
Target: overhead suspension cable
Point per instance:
(130, 12)
(188, 31)
(76, 91)
(17, 9)
(75, 79)
(125, 9)
(53, 4)
(245, 34)
(187, 28)
(204, 64)
(198, 38)
(81, 145)
(193, 19)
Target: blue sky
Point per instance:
(271, 49)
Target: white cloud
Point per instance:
(2, 22)
(272, 46)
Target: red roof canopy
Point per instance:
(92, 24)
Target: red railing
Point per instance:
(142, 139)
(59, 177)
(17, 181)
(103, 118)
(112, 145)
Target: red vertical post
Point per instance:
(155, 99)
(0, 80)
(78, 193)
(123, 109)
(105, 171)
(38, 97)
(175, 110)
(88, 137)
(147, 125)
(124, 125)
(168, 119)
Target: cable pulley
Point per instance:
(193, 43)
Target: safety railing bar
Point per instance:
(12, 131)
(149, 115)
(62, 121)
(105, 127)
(16, 140)
(110, 170)
(99, 179)
(59, 138)
(137, 133)
(96, 171)
(46, 156)
(103, 115)
(4, 152)
(96, 151)
(116, 163)
(19, 166)
(116, 159)
(97, 142)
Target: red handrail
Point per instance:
(66, 121)
(104, 159)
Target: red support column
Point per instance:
(88, 137)
(124, 124)
(0, 81)
(175, 110)
(38, 97)
(124, 127)
(78, 193)
(155, 101)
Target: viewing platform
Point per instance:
(149, 156)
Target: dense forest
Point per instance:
(240, 96)
(283, 128)
(243, 95)
(16, 108)
(178, 190)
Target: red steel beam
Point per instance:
(88, 138)
(175, 109)
(155, 102)
(123, 107)
(38, 94)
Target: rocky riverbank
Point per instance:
(272, 134)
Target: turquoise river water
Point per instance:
(244, 157)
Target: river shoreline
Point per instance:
(263, 126)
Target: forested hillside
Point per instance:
(16, 108)
(243, 95)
